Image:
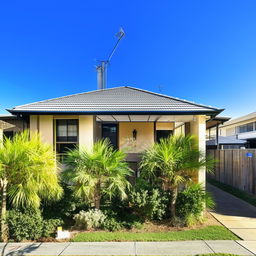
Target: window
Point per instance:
(110, 131)
(67, 130)
(162, 134)
(8, 134)
(245, 128)
(66, 135)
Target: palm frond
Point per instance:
(102, 167)
(30, 168)
(176, 158)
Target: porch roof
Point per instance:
(116, 101)
(178, 119)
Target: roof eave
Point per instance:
(211, 113)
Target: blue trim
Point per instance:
(26, 112)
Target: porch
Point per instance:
(130, 133)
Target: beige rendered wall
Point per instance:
(230, 131)
(198, 129)
(44, 125)
(145, 136)
(87, 128)
(33, 123)
(164, 126)
(179, 130)
(46, 128)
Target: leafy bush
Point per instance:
(137, 225)
(191, 202)
(65, 208)
(24, 226)
(29, 225)
(148, 204)
(111, 224)
(50, 227)
(93, 218)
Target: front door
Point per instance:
(110, 131)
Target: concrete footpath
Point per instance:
(125, 248)
(234, 213)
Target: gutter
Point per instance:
(45, 112)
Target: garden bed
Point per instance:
(210, 229)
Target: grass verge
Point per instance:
(207, 233)
(234, 191)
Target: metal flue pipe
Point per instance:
(102, 67)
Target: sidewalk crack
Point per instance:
(209, 246)
(135, 248)
(65, 248)
(245, 247)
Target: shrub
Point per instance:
(29, 225)
(111, 224)
(191, 202)
(90, 219)
(26, 225)
(50, 227)
(137, 225)
(65, 208)
(148, 204)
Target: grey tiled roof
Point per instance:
(119, 99)
(225, 140)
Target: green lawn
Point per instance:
(207, 233)
(251, 199)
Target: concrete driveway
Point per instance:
(235, 214)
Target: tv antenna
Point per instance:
(103, 65)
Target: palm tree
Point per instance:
(93, 173)
(172, 162)
(28, 174)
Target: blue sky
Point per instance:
(204, 51)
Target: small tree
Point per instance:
(92, 173)
(28, 174)
(171, 162)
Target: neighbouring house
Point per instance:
(11, 124)
(228, 142)
(133, 119)
(242, 128)
(215, 141)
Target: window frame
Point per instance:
(60, 156)
(245, 127)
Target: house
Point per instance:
(242, 128)
(229, 142)
(11, 124)
(215, 141)
(133, 119)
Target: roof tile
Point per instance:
(119, 99)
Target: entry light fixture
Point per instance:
(134, 134)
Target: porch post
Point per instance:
(87, 126)
(198, 129)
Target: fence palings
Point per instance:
(235, 167)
